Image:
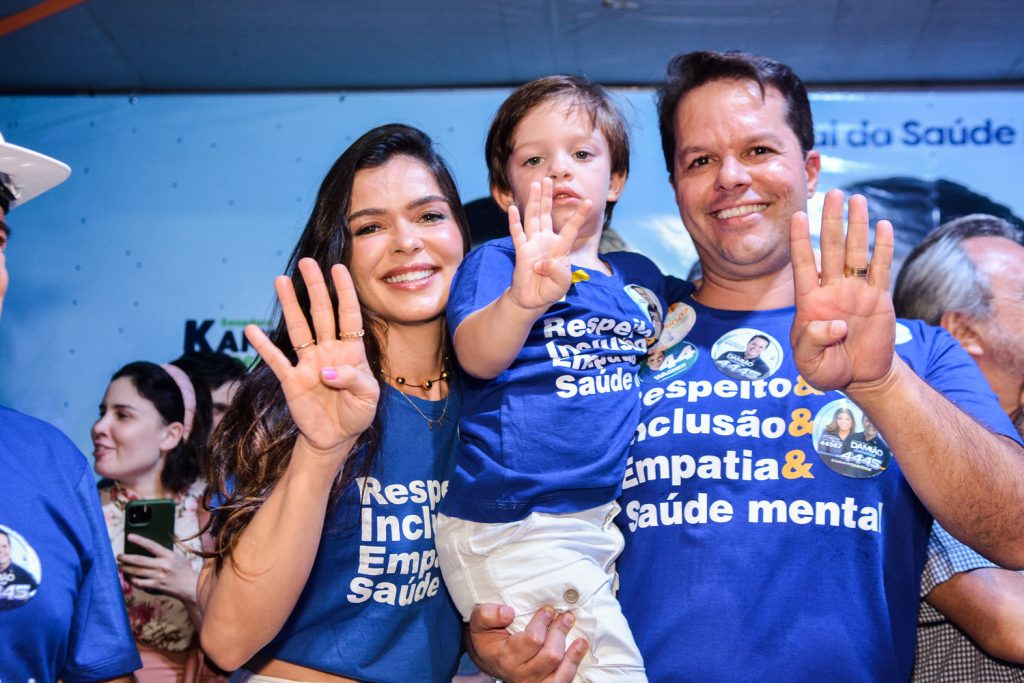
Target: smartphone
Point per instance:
(152, 519)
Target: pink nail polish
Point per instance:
(328, 373)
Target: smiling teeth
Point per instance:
(740, 210)
(409, 277)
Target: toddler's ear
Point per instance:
(615, 187)
(504, 199)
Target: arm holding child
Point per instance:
(541, 277)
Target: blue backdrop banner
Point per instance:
(180, 210)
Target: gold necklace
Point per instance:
(440, 419)
(427, 383)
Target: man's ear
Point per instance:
(963, 329)
(812, 167)
(504, 199)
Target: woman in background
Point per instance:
(147, 443)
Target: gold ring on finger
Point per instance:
(856, 271)
(311, 342)
(352, 335)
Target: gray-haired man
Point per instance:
(968, 276)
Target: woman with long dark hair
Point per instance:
(330, 463)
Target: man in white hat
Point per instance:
(24, 174)
(63, 617)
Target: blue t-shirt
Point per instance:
(749, 553)
(550, 433)
(62, 614)
(375, 607)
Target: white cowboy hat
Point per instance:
(28, 173)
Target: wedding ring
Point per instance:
(856, 271)
(351, 335)
(311, 342)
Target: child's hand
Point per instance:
(542, 274)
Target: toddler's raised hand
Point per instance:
(542, 273)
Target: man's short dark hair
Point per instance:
(691, 70)
(939, 276)
(215, 368)
(6, 191)
(767, 341)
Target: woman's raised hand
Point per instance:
(331, 392)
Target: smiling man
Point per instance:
(787, 564)
(746, 365)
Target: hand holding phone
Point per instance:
(158, 569)
(152, 519)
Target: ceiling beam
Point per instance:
(35, 13)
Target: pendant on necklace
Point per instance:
(439, 421)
